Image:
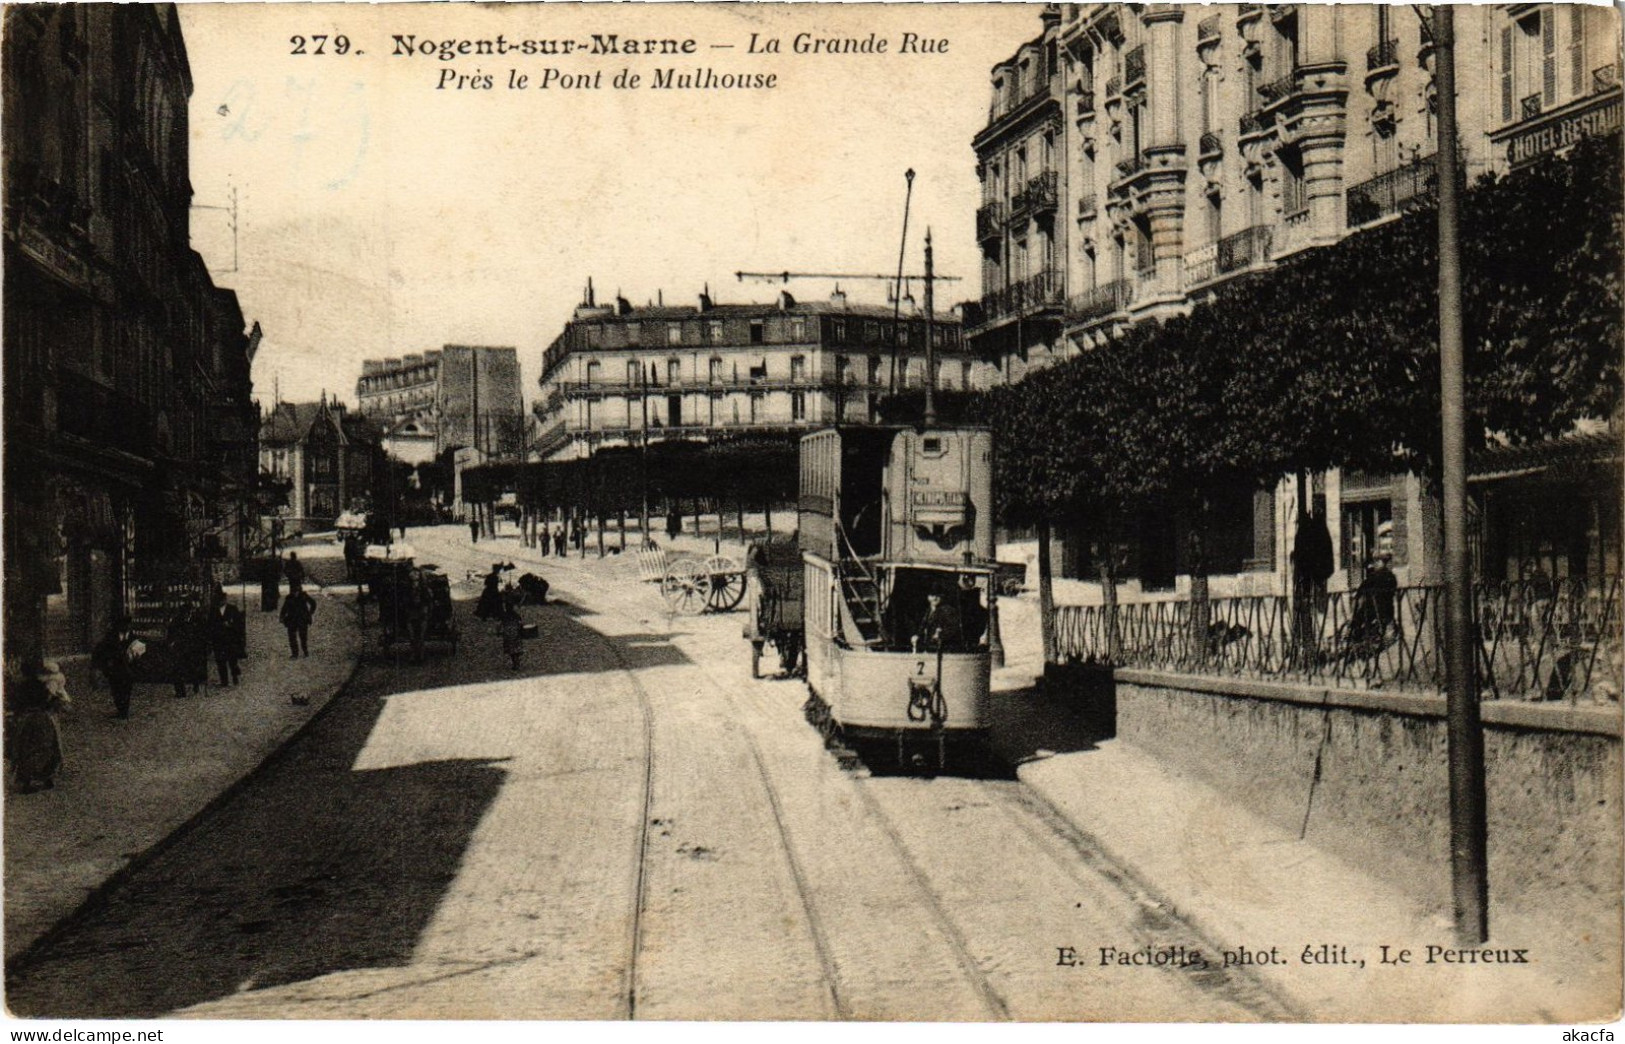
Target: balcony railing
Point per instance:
(1279, 90)
(1530, 106)
(1134, 67)
(1207, 29)
(1046, 289)
(1114, 87)
(1244, 249)
(1536, 641)
(1086, 103)
(1604, 77)
(1202, 264)
(1382, 56)
(1127, 168)
(990, 222)
(1041, 194)
(1394, 192)
(1100, 301)
(1251, 123)
(1086, 207)
(1209, 145)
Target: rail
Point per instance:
(1046, 289)
(1100, 301)
(1393, 192)
(1540, 640)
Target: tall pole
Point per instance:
(1469, 886)
(897, 297)
(930, 352)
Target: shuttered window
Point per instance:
(1548, 57)
(1506, 75)
(1577, 41)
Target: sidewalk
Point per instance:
(1249, 885)
(128, 785)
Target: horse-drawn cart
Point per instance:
(774, 585)
(414, 607)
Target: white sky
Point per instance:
(380, 216)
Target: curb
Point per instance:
(97, 896)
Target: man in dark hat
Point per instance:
(115, 656)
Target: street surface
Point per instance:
(625, 826)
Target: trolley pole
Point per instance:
(1469, 886)
(930, 352)
(897, 296)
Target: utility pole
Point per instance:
(1468, 846)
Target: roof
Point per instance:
(290, 422)
(1577, 449)
(821, 306)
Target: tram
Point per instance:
(896, 538)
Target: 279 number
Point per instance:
(320, 44)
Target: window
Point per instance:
(716, 370)
(798, 406)
(633, 372)
(874, 369)
(838, 330)
(758, 331)
(755, 407)
(1529, 65)
(674, 372)
(713, 331)
(595, 373)
(798, 329)
(715, 406)
(964, 374)
(798, 367)
(1294, 191)
(1368, 527)
(632, 332)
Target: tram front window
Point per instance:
(931, 609)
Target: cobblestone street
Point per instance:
(624, 826)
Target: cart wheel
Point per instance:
(727, 588)
(687, 588)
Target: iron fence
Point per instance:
(1537, 640)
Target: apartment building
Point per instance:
(1138, 157)
(620, 375)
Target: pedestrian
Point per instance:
(512, 626)
(115, 657)
(1373, 607)
(473, 529)
(489, 607)
(188, 649)
(558, 540)
(294, 570)
(228, 640)
(33, 738)
(298, 609)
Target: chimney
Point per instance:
(410, 361)
(372, 367)
(622, 305)
(838, 298)
(705, 298)
(589, 302)
(786, 302)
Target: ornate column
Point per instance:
(1316, 122)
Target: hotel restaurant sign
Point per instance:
(1528, 141)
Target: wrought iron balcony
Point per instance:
(1279, 90)
(1041, 195)
(1209, 145)
(1604, 77)
(1530, 106)
(1398, 190)
(1244, 249)
(1100, 301)
(1134, 67)
(1086, 103)
(1251, 123)
(1114, 88)
(990, 222)
(1383, 56)
(1207, 29)
(1046, 289)
(1131, 166)
(1086, 207)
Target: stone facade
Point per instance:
(459, 395)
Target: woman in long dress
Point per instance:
(35, 746)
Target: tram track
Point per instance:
(970, 970)
(1012, 811)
